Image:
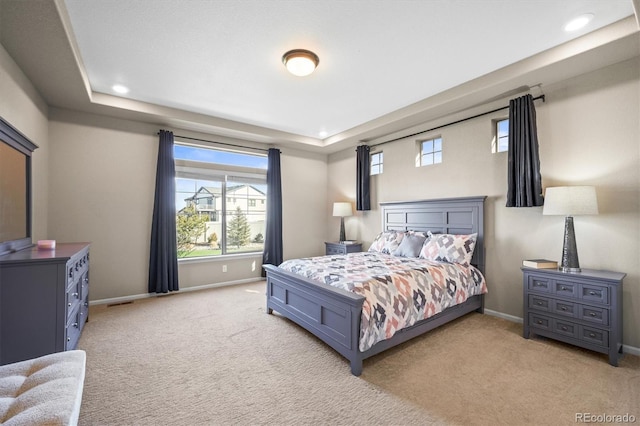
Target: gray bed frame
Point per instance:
(333, 315)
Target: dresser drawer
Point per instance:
(595, 293)
(73, 330)
(73, 297)
(595, 336)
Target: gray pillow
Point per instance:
(410, 246)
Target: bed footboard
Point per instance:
(331, 314)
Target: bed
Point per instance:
(334, 314)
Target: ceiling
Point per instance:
(216, 66)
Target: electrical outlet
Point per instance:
(224, 268)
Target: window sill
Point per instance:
(219, 258)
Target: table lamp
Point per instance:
(342, 210)
(570, 201)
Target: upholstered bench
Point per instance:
(42, 391)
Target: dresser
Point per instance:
(341, 248)
(583, 309)
(44, 300)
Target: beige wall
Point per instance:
(23, 108)
(589, 135)
(102, 179)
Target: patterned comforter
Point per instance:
(398, 291)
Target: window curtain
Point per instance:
(363, 171)
(163, 259)
(524, 181)
(273, 239)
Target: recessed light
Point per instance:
(119, 88)
(579, 22)
(323, 133)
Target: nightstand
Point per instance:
(340, 248)
(583, 308)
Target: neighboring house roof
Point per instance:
(211, 190)
(237, 187)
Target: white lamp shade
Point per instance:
(570, 201)
(342, 209)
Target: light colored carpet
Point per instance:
(214, 357)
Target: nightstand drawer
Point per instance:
(568, 309)
(539, 284)
(595, 294)
(594, 314)
(341, 248)
(565, 328)
(539, 303)
(566, 289)
(331, 250)
(595, 335)
(540, 321)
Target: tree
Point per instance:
(238, 229)
(258, 238)
(189, 226)
(213, 240)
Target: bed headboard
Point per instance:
(444, 216)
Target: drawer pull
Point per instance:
(75, 324)
(539, 321)
(592, 334)
(563, 288)
(593, 293)
(539, 303)
(564, 308)
(69, 304)
(564, 328)
(593, 314)
(74, 294)
(68, 339)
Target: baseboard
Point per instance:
(632, 350)
(125, 299)
(503, 316)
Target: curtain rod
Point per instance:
(221, 143)
(450, 124)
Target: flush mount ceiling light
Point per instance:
(300, 62)
(579, 22)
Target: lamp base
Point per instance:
(343, 236)
(570, 262)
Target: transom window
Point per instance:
(502, 136)
(217, 209)
(376, 163)
(431, 152)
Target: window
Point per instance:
(431, 152)
(214, 190)
(501, 139)
(376, 163)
